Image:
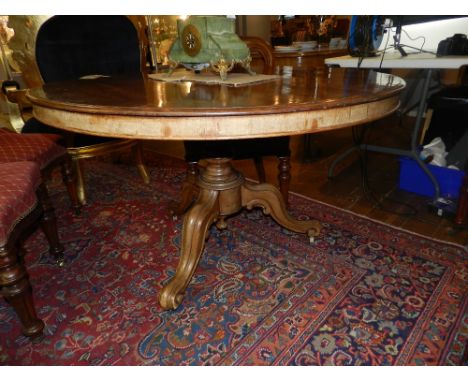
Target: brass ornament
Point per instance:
(191, 40)
(222, 67)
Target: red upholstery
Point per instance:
(18, 183)
(39, 148)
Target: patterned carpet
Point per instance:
(362, 294)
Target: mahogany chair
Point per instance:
(69, 47)
(255, 149)
(21, 210)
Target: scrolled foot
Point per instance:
(271, 201)
(170, 297)
(314, 230)
(194, 231)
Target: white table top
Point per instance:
(393, 60)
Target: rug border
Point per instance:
(460, 246)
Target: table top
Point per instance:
(295, 103)
(394, 60)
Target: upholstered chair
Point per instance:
(48, 154)
(21, 192)
(60, 48)
(255, 149)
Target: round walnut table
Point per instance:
(140, 108)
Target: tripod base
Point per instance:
(223, 192)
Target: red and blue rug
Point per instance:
(363, 293)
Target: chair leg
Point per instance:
(79, 180)
(189, 189)
(284, 177)
(49, 226)
(68, 177)
(140, 163)
(461, 217)
(260, 169)
(15, 287)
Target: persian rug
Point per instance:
(363, 293)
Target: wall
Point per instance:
(433, 32)
(253, 25)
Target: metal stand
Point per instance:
(413, 152)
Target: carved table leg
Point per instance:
(195, 226)
(223, 192)
(269, 198)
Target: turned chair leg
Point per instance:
(68, 176)
(79, 180)
(284, 174)
(15, 287)
(284, 177)
(14, 282)
(49, 226)
(461, 217)
(260, 169)
(137, 152)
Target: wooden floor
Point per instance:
(383, 201)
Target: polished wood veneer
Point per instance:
(306, 102)
(309, 102)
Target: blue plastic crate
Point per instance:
(414, 179)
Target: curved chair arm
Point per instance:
(16, 101)
(17, 96)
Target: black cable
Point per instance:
(384, 50)
(412, 47)
(358, 137)
(416, 38)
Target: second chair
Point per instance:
(71, 47)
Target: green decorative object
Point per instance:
(209, 42)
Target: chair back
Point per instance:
(260, 50)
(66, 47)
(69, 47)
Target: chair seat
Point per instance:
(18, 183)
(39, 148)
